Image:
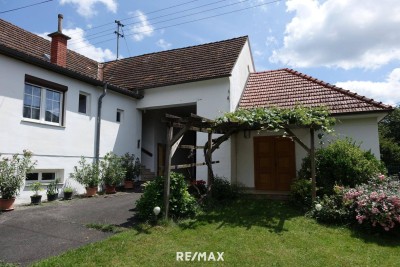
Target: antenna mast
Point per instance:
(119, 35)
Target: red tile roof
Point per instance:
(189, 64)
(287, 88)
(33, 45)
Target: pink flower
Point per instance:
(381, 177)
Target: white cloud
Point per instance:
(82, 46)
(341, 33)
(164, 45)
(142, 28)
(388, 91)
(86, 7)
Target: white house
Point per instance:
(50, 97)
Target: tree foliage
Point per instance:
(389, 138)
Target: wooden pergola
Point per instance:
(225, 131)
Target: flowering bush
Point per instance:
(376, 202)
(331, 209)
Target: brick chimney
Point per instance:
(58, 54)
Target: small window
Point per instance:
(48, 176)
(82, 103)
(32, 176)
(119, 115)
(44, 175)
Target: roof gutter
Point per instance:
(64, 71)
(98, 123)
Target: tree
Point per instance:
(389, 138)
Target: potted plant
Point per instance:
(52, 190)
(132, 168)
(112, 172)
(88, 175)
(68, 191)
(36, 199)
(12, 177)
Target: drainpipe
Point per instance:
(100, 102)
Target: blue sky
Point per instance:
(351, 43)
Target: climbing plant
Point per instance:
(276, 118)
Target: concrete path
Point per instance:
(30, 233)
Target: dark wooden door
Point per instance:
(274, 163)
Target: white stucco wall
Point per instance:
(240, 73)
(60, 147)
(360, 128)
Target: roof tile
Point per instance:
(287, 88)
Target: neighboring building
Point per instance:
(49, 99)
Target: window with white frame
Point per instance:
(44, 176)
(43, 100)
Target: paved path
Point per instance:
(29, 233)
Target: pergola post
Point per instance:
(209, 155)
(312, 159)
(167, 172)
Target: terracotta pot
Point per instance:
(110, 189)
(91, 191)
(67, 195)
(7, 204)
(36, 200)
(128, 184)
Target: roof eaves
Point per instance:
(5, 50)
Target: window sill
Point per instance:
(42, 123)
(43, 183)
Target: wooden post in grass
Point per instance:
(312, 159)
(167, 172)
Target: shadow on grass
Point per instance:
(246, 213)
(377, 236)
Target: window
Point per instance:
(43, 100)
(119, 115)
(44, 176)
(82, 103)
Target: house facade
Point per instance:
(50, 99)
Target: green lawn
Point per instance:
(249, 232)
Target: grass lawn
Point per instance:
(249, 232)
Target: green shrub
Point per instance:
(181, 203)
(332, 209)
(86, 174)
(300, 192)
(344, 163)
(222, 190)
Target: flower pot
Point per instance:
(128, 184)
(67, 195)
(52, 197)
(91, 191)
(110, 189)
(36, 200)
(7, 204)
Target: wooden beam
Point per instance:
(297, 140)
(191, 128)
(210, 175)
(200, 118)
(189, 165)
(312, 159)
(190, 147)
